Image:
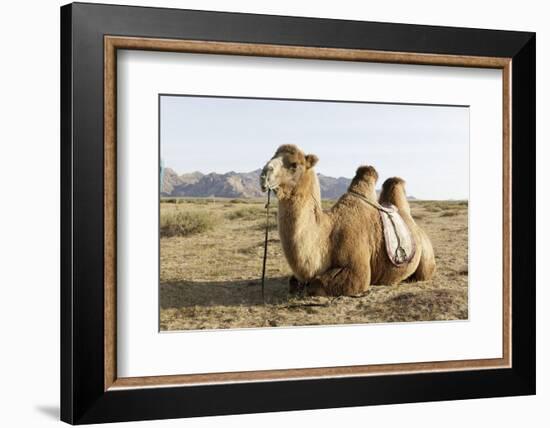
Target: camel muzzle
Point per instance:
(264, 179)
(263, 183)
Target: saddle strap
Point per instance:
(375, 204)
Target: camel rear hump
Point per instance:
(393, 192)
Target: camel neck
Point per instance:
(305, 201)
(301, 225)
(304, 211)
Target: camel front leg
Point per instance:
(295, 286)
(343, 281)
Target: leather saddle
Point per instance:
(400, 246)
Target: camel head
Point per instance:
(285, 170)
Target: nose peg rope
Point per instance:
(265, 243)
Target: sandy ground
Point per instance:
(211, 280)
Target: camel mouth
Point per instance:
(263, 183)
(266, 185)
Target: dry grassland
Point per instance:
(211, 259)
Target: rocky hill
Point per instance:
(333, 188)
(235, 185)
(197, 184)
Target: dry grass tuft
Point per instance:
(261, 226)
(449, 213)
(184, 223)
(248, 213)
(433, 209)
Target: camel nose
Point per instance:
(264, 176)
(265, 172)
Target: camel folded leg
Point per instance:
(344, 281)
(295, 286)
(426, 266)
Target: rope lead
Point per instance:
(265, 243)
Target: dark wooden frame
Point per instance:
(90, 35)
(114, 43)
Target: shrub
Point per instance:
(449, 213)
(185, 223)
(432, 208)
(261, 226)
(248, 213)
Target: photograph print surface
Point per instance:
(368, 213)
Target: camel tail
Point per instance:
(393, 192)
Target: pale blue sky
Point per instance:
(428, 146)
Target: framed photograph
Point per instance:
(266, 213)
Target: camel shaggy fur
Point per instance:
(340, 251)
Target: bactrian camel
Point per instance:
(340, 251)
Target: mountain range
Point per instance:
(235, 185)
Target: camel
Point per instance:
(340, 251)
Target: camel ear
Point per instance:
(311, 161)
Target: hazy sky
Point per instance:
(428, 146)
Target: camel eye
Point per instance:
(293, 165)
